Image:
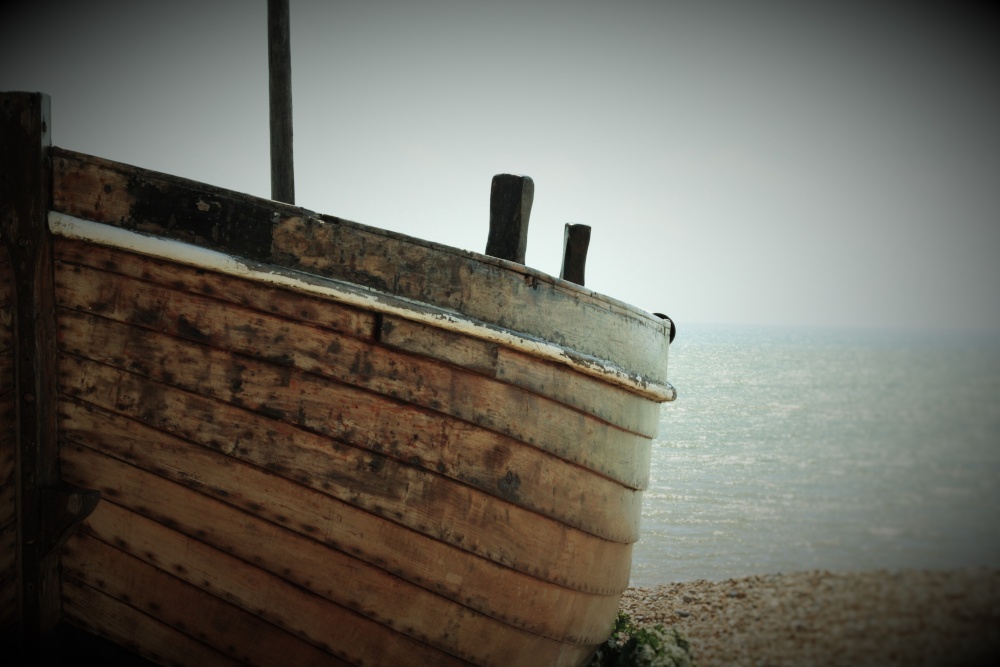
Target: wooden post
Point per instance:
(280, 84)
(46, 510)
(576, 241)
(25, 195)
(510, 207)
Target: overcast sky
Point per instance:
(739, 162)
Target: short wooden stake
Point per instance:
(576, 241)
(510, 207)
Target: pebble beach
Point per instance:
(912, 617)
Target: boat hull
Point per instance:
(320, 443)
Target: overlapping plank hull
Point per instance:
(8, 490)
(323, 444)
(320, 458)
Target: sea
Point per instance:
(801, 449)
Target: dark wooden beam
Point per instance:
(25, 199)
(576, 241)
(47, 510)
(510, 207)
(280, 84)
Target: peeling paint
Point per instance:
(357, 296)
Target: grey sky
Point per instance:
(740, 162)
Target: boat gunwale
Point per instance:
(354, 295)
(299, 211)
(495, 292)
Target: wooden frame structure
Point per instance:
(314, 442)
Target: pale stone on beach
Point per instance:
(940, 618)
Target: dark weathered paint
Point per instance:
(25, 189)
(494, 291)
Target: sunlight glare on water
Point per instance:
(797, 449)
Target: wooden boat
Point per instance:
(314, 442)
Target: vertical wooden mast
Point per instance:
(280, 85)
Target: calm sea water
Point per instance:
(799, 449)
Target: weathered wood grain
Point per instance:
(403, 451)
(582, 562)
(264, 298)
(231, 631)
(494, 291)
(8, 552)
(447, 477)
(7, 425)
(607, 402)
(8, 596)
(7, 417)
(25, 196)
(506, 409)
(475, 582)
(102, 615)
(498, 292)
(8, 484)
(316, 406)
(6, 386)
(8, 567)
(6, 279)
(8, 526)
(6, 328)
(340, 631)
(373, 593)
(501, 466)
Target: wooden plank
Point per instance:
(7, 415)
(521, 300)
(6, 329)
(607, 402)
(475, 582)
(287, 303)
(494, 291)
(405, 449)
(194, 613)
(8, 534)
(582, 562)
(321, 407)
(6, 383)
(506, 409)
(8, 576)
(8, 483)
(6, 282)
(8, 599)
(340, 631)
(373, 593)
(612, 403)
(450, 347)
(25, 195)
(8, 550)
(102, 615)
